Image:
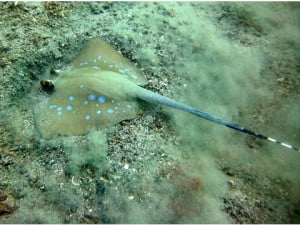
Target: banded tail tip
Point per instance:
(283, 144)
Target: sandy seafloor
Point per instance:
(239, 61)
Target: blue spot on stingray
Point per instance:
(122, 71)
(96, 67)
(129, 106)
(71, 98)
(81, 86)
(87, 117)
(59, 109)
(98, 112)
(113, 101)
(83, 63)
(110, 111)
(69, 108)
(85, 102)
(52, 106)
(134, 76)
(101, 99)
(59, 113)
(92, 97)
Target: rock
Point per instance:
(7, 204)
(228, 171)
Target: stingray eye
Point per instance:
(47, 85)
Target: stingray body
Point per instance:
(98, 90)
(101, 89)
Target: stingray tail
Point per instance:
(152, 97)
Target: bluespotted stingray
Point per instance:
(100, 89)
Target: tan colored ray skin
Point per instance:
(102, 83)
(98, 53)
(106, 80)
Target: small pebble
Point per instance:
(126, 166)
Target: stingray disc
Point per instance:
(84, 99)
(97, 91)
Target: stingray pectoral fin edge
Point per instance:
(100, 55)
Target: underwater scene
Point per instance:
(149, 112)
